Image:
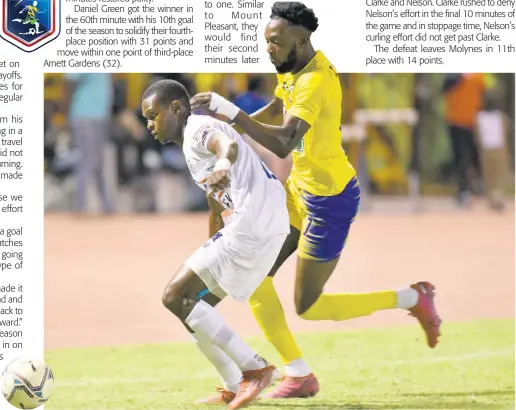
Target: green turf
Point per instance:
(473, 368)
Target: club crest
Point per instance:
(30, 24)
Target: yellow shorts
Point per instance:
(323, 221)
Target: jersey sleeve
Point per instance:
(203, 135)
(200, 139)
(278, 91)
(308, 98)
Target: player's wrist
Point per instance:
(220, 105)
(222, 164)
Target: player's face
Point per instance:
(162, 121)
(283, 45)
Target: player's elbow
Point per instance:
(232, 151)
(282, 153)
(280, 150)
(289, 147)
(288, 143)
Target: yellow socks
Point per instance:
(343, 306)
(268, 312)
(269, 315)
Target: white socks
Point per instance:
(227, 368)
(207, 323)
(407, 298)
(238, 350)
(297, 368)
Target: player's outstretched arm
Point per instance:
(280, 140)
(271, 110)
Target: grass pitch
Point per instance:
(391, 368)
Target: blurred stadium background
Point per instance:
(395, 130)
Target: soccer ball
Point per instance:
(27, 383)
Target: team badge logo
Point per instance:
(30, 24)
(289, 89)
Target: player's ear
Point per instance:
(304, 39)
(175, 106)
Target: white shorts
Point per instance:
(235, 265)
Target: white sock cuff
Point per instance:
(231, 387)
(204, 319)
(406, 298)
(297, 368)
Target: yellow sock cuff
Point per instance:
(344, 306)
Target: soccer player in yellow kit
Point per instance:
(323, 196)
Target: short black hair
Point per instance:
(167, 91)
(296, 13)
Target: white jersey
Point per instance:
(255, 201)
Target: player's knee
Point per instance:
(172, 299)
(304, 299)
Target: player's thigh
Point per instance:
(242, 263)
(324, 232)
(288, 248)
(202, 262)
(234, 264)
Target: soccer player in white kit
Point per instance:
(249, 223)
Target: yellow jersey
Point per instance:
(320, 165)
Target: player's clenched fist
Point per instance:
(217, 181)
(215, 103)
